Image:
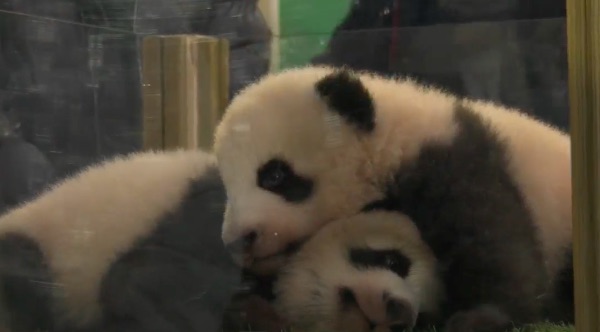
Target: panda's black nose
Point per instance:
(347, 297)
(395, 309)
(400, 312)
(243, 244)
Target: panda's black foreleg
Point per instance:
(495, 279)
(487, 251)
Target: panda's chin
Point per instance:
(268, 265)
(261, 266)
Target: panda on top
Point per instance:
(130, 244)
(488, 187)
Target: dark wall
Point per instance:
(512, 51)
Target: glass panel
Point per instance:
(131, 245)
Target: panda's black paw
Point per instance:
(481, 319)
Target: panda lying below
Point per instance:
(373, 272)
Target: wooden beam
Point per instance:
(583, 31)
(185, 84)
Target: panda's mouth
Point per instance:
(270, 263)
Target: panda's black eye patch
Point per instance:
(278, 177)
(389, 259)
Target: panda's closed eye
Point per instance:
(390, 259)
(278, 177)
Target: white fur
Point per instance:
(85, 222)
(282, 115)
(322, 264)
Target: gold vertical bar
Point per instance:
(583, 31)
(194, 89)
(152, 105)
(178, 91)
(223, 74)
(205, 101)
(213, 86)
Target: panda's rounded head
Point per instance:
(369, 272)
(305, 146)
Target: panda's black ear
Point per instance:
(345, 94)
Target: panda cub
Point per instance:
(130, 244)
(488, 187)
(369, 272)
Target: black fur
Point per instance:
(474, 217)
(484, 318)
(178, 278)
(260, 285)
(561, 303)
(566, 291)
(345, 94)
(393, 260)
(347, 298)
(26, 285)
(278, 177)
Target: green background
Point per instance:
(305, 28)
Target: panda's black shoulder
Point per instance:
(440, 167)
(193, 227)
(445, 172)
(181, 264)
(209, 182)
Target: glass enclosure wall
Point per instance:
(72, 69)
(72, 72)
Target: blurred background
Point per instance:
(71, 88)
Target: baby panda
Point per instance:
(129, 244)
(488, 187)
(369, 272)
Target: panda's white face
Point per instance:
(289, 166)
(370, 272)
